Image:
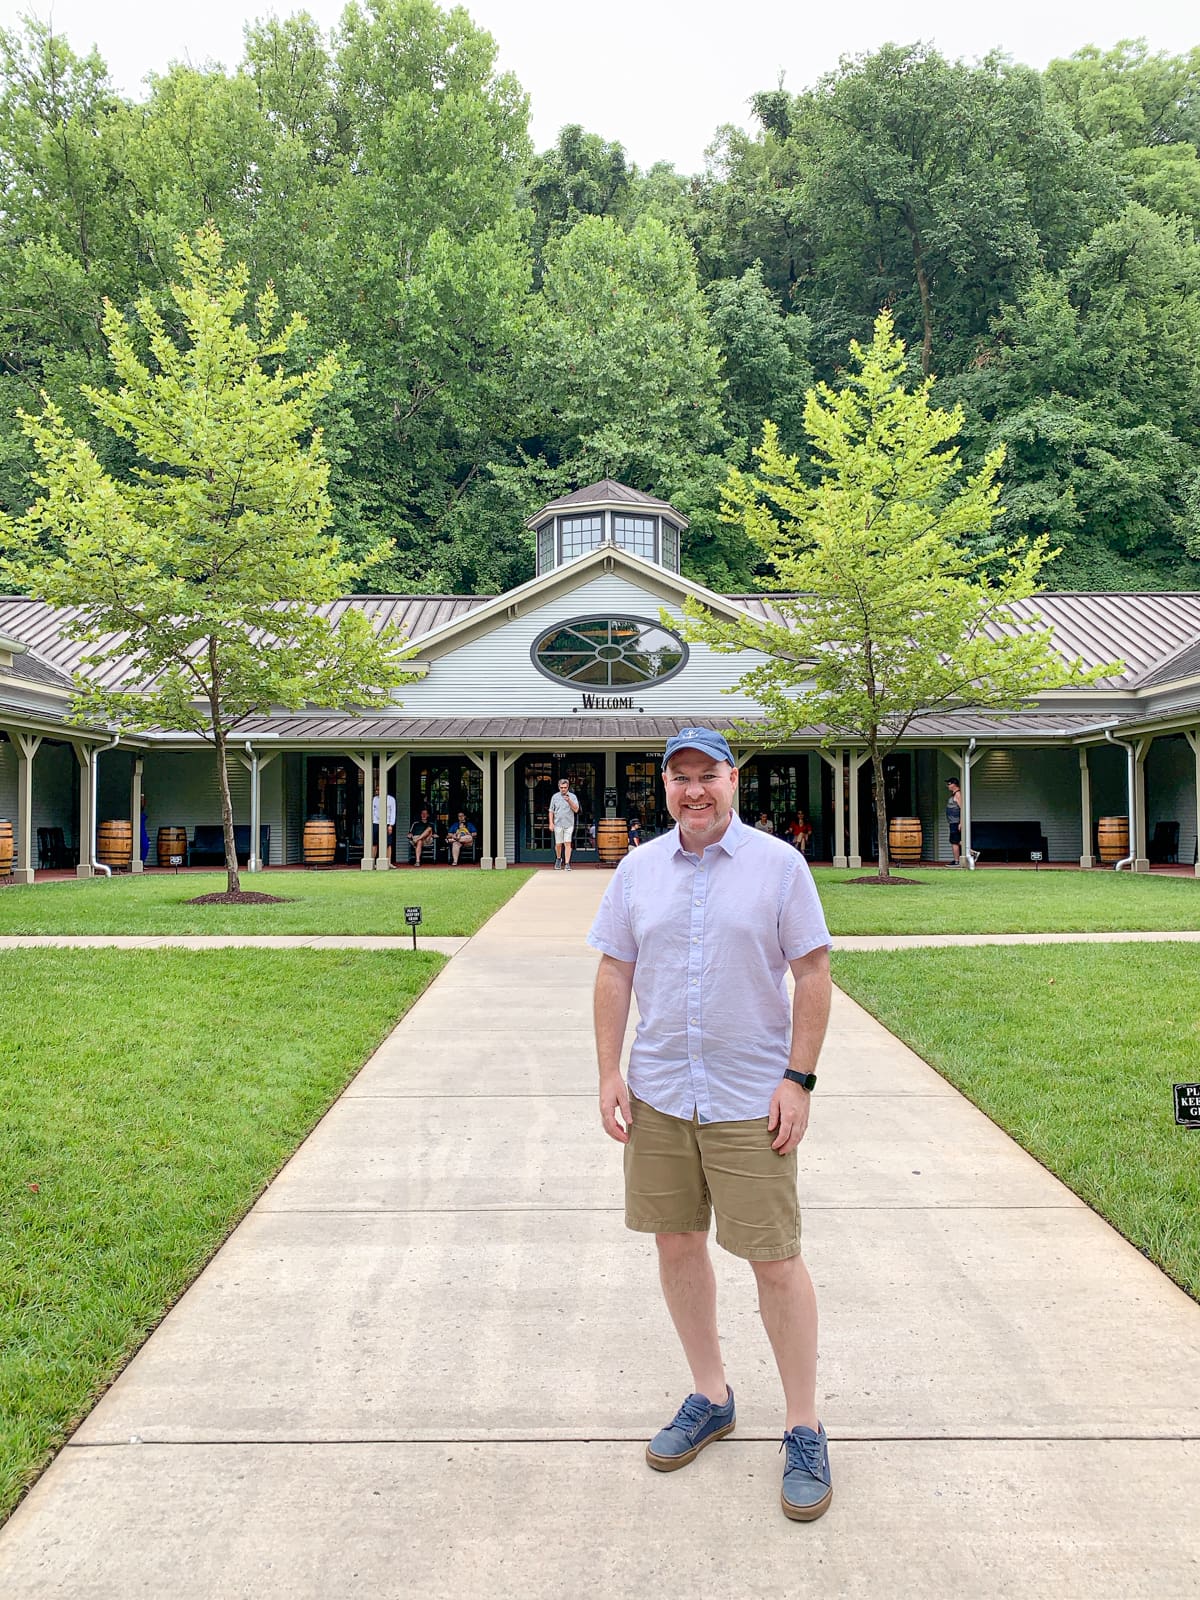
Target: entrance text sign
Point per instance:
(1187, 1105)
(412, 915)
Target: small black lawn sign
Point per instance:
(1187, 1105)
(412, 915)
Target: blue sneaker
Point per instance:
(697, 1423)
(807, 1485)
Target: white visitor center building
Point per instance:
(577, 674)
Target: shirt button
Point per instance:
(699, 902)
(692, 1020)
(696, 941)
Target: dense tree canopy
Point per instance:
(508, 324)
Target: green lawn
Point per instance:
(1073, 1049)
(141, 1120)
(319, 902)
(992, 900)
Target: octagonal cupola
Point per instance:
(607, 513)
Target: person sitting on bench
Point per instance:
(463, 832)
(420, 835)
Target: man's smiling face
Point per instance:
(700, 796)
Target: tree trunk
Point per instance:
(231, 866)
(880, 814)
(918, 250)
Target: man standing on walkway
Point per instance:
(564, 808)
(702, 924)
(390, 814)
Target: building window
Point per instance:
(670, 547)
(545, 546)
(635, 534)
(609, 653)
(579, 535)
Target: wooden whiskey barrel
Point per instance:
(6, 848)
(320, 842)
(114, 844)
(171, 842)
(1113, 838)
(905, 840)
(612, 840)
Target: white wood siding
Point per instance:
(494, 676)
(181, 790)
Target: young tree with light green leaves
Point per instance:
(891, 604)
(203, 561)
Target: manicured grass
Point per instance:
(148, 1098)
(453, 902)
(1073, 1049)
(992, 900)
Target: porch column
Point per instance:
(1193, 738)
(835, 760)
(83, 756)
(27, 747)
(1137, 830)
(507, 762)
(387, 760)
(483, 761)
(254, 764)
(854, 857)
(135, 814)
(1086, 858)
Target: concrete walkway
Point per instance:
(427, 1362)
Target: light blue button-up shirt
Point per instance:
(711, 936)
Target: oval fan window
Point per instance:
(609, 653)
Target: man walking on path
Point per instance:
(564, 808)
(703, 924)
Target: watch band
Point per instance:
(806, 1080)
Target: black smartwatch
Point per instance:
(806, 1080)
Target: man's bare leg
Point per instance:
(690, 1290)
(788, 1305)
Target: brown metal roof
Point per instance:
(40, 626)
(608, 489)
(1143, 630)
(1185, 663)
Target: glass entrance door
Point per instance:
(777, 785)
(537, 780)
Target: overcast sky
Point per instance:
(658, 75)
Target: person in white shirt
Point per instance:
(564, 808)
(391, 821)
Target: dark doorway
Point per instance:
(640, 793)
(335, 790)
(898, 797)
(446, 785)
(775, 784)
(537, 779)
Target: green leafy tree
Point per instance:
(623, 380)
(886, 609)
(1091, 382)
(203, 565)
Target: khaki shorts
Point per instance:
(677, 1173)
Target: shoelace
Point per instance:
(691, 1413)
(804, 1452)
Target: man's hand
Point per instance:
(614, 1097)
(789, 1113)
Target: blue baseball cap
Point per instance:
(707, 740)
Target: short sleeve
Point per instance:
(611, 933)
(801, 920)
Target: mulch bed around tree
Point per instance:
(239, 897)
(886, 883)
